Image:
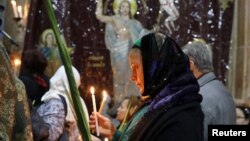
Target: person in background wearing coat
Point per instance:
(52, 110)
(218, 105)
(32, 74)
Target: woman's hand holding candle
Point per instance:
(106, 127)
(92, 91)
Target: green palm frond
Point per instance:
(81, 117)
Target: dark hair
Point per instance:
(33, 61)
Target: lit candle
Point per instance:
(19, 10)
(106, 139)
(92, 91)
(13, 2)
(17, 63)
(104, 98)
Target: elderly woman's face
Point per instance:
(135, 61)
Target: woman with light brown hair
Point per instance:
(127, 108)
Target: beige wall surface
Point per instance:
(239, 72)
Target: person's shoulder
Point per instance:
(52, 104)
(185, 116)
(54, 101)
(189, 114)
(210, 83)
(214, 89)
(185, 110)
(25, 77)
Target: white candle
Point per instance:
(19, 10)
(13, 2)
(92, 91)
(104, 98)
(106, 139)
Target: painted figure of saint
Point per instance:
(49, 48)
(121, 31)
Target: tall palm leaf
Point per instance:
(81, 117)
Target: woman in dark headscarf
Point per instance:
(173, 104)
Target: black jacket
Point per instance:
(179, 123)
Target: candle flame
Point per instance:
(14, 6)
(92, 90)
(13, 2)
(17, 62)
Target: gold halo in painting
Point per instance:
(133, 6)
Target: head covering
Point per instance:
(161, 64)
(167, 77)
(59, 86)
(137, 44)
(59, 80)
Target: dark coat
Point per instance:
(35, 86)
(179, 123)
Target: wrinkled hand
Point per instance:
(106, 127)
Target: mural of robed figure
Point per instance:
(121, 31)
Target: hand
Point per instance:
(106, 127)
